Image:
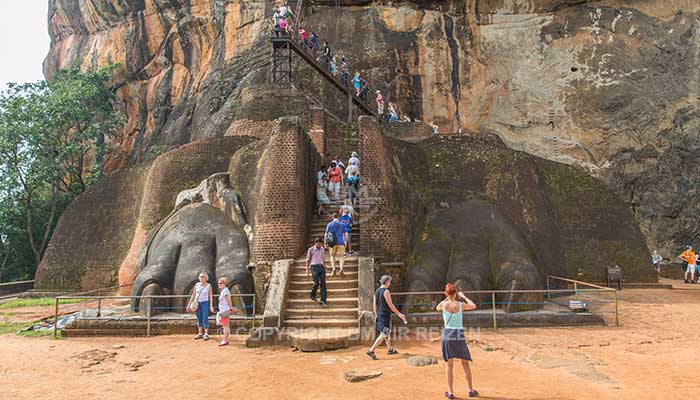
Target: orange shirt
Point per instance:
(688, 256)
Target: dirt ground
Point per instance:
(653, 355)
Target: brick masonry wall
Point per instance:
(286, 194)
(317, 130)
(386, 230)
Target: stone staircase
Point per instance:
(342, 310)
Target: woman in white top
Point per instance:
(202, 293)
(225, 309)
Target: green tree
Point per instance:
(53, 139)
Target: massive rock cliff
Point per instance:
(608, 85)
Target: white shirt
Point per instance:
(223, 304)
(351, 168)
(203, 292)
(283, 11)
(354, 161)
(351, 210)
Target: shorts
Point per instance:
(338, 250)
(690, 269)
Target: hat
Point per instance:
(354, 154)
(378, 91)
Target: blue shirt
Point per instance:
(338, 230)
(346, 220)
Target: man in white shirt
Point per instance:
(354, 160)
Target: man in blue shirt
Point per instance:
(346, 220)
(338, 248)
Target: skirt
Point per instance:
(454, 345)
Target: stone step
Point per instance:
(330, 284)
(321, 313)
(301, 269)
(349, 260)
(321, 339)
(347, 274)
(304, 294)
(333, 303)
(321, 323)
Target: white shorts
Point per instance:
(690, 269)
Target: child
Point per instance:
(225, 309)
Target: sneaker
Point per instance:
(312, 298)
(323, 303)
(372, 355)
(392, 352)
(342, 272)
(223, 343)
(352, 251)
(473, 393)
(333, 273)
(198, 337)
(206, 337)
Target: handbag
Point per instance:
(194, 302)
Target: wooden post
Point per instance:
(493, 304)
(549, 294)
(55, 320)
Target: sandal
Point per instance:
(473, 393)
(392, 352)
(372, 355)
(449, 395)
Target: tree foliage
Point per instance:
(53, 139)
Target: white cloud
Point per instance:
(24, 40)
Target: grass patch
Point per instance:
(13, 327)
(59, 334)
(42, 301)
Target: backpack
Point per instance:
(330, 238)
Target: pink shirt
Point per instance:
(316, 256)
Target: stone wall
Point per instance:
(408, 131)
(286, 194)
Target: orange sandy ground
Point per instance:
(653, 355)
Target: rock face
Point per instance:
(608, 85)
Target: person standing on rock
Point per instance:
(454, 343)
(656, 261)
(383, 307)
(689, 258)
(336, 237)
(316, 267)
(203, 296)
(225, 310)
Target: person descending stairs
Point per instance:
(343, 302)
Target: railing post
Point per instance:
(617, 319)
(349, 107)
(549, 294)
(148, 321)
(253, 324)
(55, 320)
(493, 308)
(99, 304)
(575, 289)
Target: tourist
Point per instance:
(434, 127)
(347, 206)
(656, 261)
(405, 118)
(313, 42)
(689, 259)
(276, 22)
(354, 160)
(283, 25)
(334, 66)
(284, 10)
(315, 259)
(202, 299)
(383, 306)
(454, 343)
(322, 195)
(380, 103)
(335, 176)
(364, 90)
(335, 239)
(352, 167)
(346, 220)
(321, 171)
(225, 310)
(393, 116)
(345, 71)
(356, 83)
(326, 56)
(353, 187)
(339, 162)
(303, 36)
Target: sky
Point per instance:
(24, 40)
